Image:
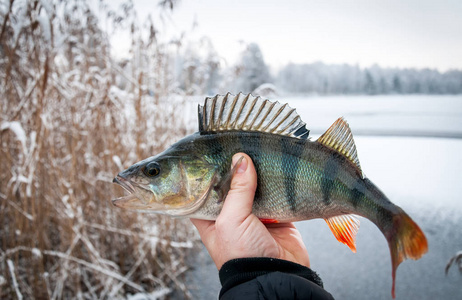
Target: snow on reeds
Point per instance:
(71, 117)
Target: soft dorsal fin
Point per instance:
(249, 113)
(344, 228)
(339, 138)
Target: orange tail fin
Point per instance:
(406, 240)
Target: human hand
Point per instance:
(237, 233)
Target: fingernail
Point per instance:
(238, 159)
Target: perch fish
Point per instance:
(298, 179)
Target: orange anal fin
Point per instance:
(269, 221)
(344, 228)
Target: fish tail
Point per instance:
(406, 240)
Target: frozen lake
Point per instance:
(411, 148)
(434, 116)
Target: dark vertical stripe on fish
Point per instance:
(331, 168)
(290, 163)
(244, 139)
(386, 209)
(242, 142)
(218, 146)
(357, 192)
(255, 154)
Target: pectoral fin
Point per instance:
(225, 183)
(344, 228)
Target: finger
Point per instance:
(239, 201)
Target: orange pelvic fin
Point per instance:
(344, 228)
(269, 221)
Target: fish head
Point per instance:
(169, 184)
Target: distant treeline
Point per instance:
(347, 79)
(200, 70)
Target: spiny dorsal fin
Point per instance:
(249, 113)
(339, 138)
(344, 228)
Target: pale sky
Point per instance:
(391, 33)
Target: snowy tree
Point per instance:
(369, 85)
(199, 68)
(251, 70)
(397, 84)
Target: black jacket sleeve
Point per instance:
(269, 278)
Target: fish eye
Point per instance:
(152, 169)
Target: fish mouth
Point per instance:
(125, 184)
(137, 198)
(128, 200)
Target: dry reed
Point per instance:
(71, 118)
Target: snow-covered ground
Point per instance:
(421, 174)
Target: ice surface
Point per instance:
(419, 115)
(423, 177)
(419, 174)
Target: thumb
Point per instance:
(239, 201)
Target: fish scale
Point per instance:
(298, 179)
